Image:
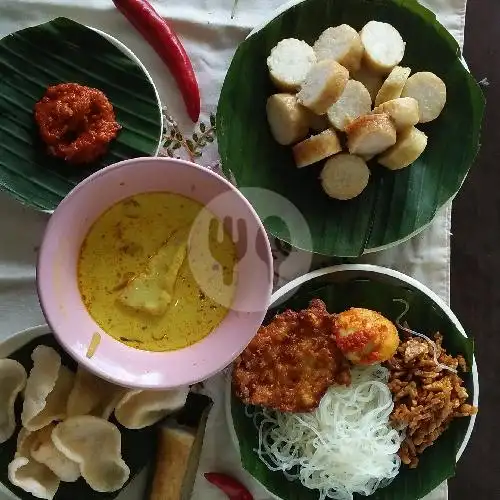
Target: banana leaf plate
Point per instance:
(61, 51)
(396, 205)
(373, 287)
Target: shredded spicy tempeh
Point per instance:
(426, 397)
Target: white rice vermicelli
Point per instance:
(345, 446)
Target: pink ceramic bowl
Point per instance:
(74, 327)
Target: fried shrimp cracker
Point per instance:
(33, 477)
(43, 450)
(94, 444)
(55, 403)
(291, 362)
(41, 381)
(13, 380)
(92, 395)
(138, 408)
(27, 473)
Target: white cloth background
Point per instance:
(210, 37)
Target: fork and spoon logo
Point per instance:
(250, 241)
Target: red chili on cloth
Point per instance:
(160, 35)
(230, 486)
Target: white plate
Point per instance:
(134, 58)
(135, 489)
(336, 273)
(7, 347)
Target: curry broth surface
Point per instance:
(119, 245)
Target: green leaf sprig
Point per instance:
(174, 139)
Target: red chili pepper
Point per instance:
(230, 486)
(160, 35)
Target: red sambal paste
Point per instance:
(77, 123)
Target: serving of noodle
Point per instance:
(345, 446)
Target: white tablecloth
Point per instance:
(210, 37)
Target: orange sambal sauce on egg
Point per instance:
(136, 278)
(365, 337)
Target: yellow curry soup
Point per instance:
(136, 278)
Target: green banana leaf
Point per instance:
(60, 51)
(437, 463)
(395, 205)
